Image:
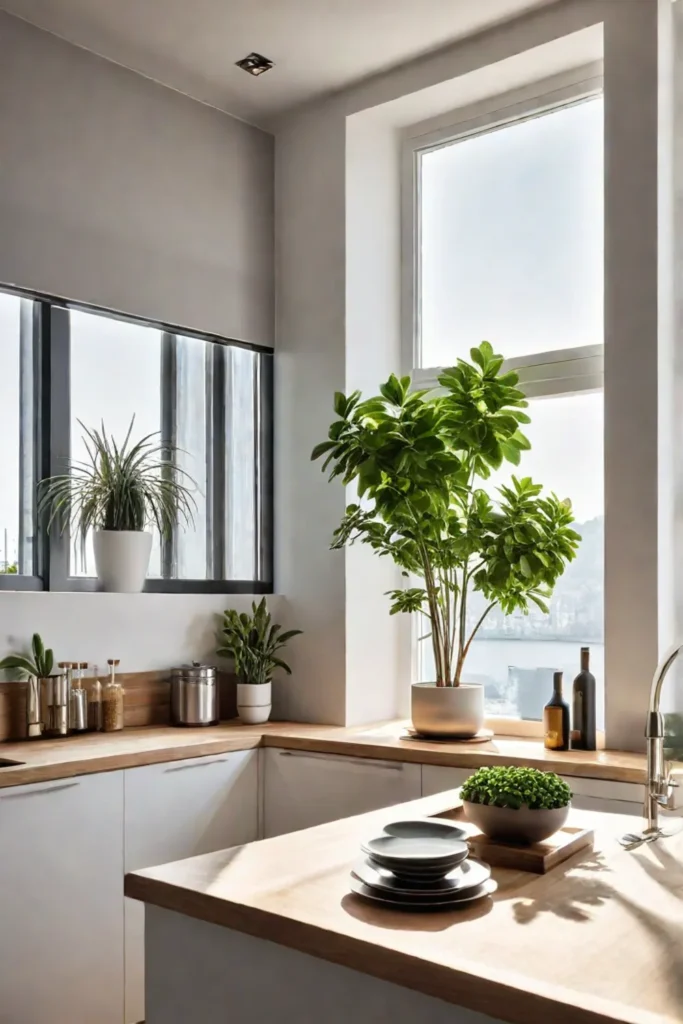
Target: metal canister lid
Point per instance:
(195, 673)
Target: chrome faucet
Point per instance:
(660, 786)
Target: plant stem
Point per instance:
(474, 631)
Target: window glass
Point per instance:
(512, 238)
(202, 395)
(515, 656)
(241, 477)
(193, 423)
(16, 436)
(115, 376)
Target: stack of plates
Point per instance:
(422, 864)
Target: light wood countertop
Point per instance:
(596, 941)
(45, 760)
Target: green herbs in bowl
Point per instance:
(516, 804)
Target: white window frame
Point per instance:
(562, 372)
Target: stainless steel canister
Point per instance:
(57, 706)
(194, 695)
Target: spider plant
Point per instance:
(253, 643)
(120, 487)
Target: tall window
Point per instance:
(211, 398)
(509, 248)
(16, 439)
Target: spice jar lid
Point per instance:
(194, 673)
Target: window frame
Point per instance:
(50, 446)
(559, 373)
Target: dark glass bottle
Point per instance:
(583, 723)
(556, 718)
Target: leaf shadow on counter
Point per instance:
(413, 920)
(574, 896)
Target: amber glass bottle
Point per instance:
(556, 718)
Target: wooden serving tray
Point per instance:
(537, 857)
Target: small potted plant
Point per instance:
(119, 491)
(253, 643)
(521, 805)
(37, 669)
(419, 460)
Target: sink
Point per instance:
(5, 762)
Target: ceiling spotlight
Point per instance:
(254, 64)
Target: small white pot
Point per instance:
(253, 702)
(122, 559)
(456, 711)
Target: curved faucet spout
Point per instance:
(654, 728)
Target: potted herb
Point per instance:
(253, 642)
(419, 459)
(118, 492)
(516, 804)
(37, 667)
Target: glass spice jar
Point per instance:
(94, 700)
(112, 700)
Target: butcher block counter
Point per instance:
(45, 760)
(596, 940)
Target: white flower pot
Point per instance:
(253, 702)
(122, 559)
(456, 711)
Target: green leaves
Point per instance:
(516, 788)
(120, 487)
(253, 642)
(40, 666)
(417, 459)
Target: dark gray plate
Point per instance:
(452, 902)
(417, 846)
(416, 827)
(468, 875)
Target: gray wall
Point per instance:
(119, 192)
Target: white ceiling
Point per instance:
(317, 45)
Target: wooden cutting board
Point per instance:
(536, 857)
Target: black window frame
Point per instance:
(46, 440)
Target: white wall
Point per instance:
(146, 631)
(317, 338)
(119, 192)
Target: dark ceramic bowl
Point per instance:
(522, 826)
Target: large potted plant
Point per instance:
(118, 492)
(419, 459)
(254, 642)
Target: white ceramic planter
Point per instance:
(254, 702)
(456, 711)
(122, 559)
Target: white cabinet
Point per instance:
(603, 795)
(304, 789)
(179, 810)
(436, 779)
(61, 901)
(589, 794)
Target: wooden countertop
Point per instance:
(45, 760)
(596, 941)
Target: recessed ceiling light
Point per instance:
(254, 64)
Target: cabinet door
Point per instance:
(436, 779)
(179, 810)
(304, 789)
(61, 901)
(603, 795)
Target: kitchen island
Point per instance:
(270, 932)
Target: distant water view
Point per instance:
(518, 674)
